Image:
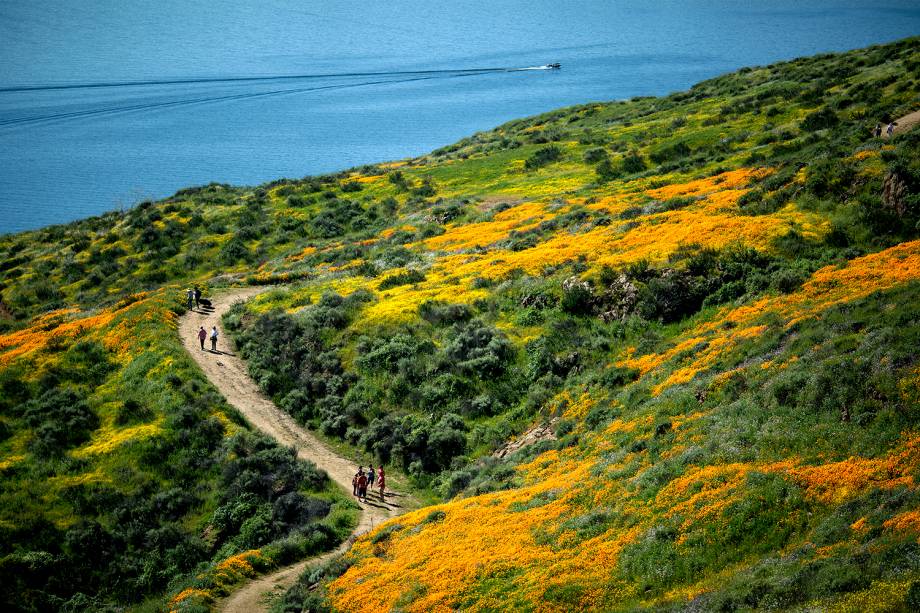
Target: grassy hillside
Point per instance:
(124, 474)
(709, 300)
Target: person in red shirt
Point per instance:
(362, 487)
(202, 335)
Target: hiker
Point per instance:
(213, 338)
(381, 482)
(370, 476)
(197, 297)
(354, 481)
(202, 334)
(878, 129)
(189, 296)
(362, 487)
(890, 129)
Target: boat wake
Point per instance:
(151, 103)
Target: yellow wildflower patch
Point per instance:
(881, 596)
(109, 438)
(10, 460)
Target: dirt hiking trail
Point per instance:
(229, 375)
(903, 124)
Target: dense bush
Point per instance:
(61, 419)
(632, 162)
(820, 120)
(478, 349)
(440, 314)
(407, 277)
(669, 153)
(542, 157)
(595, 155)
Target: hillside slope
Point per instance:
(709, 299)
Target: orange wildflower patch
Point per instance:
(837, 481)
(520, 217)
(490, 535)
(708, 356)
(655, 238)
(189, 596)
(40, 335)
(391, 231)
(827, 287)
(706, 492)
(119, 337)
(614, 205)
(831, 285)
(649, 361)
(731, 180)
(859, 525)
(301, 254)
(577, 409)
(237, 567)
(908, 522)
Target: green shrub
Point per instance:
(542, 157)
(408, 277)
(820, 120)
(233, 251)
(439, 314)
(595, 155)
(61, 420)
(606, 171)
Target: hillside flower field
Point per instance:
(709, 302)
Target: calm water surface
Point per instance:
(71, 153)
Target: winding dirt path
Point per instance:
(229, 375)
(907, 122)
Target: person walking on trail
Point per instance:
(197, 297)
(202, 335)
(354, 481)
(190, 297)
(213, 338)
(878, 130)
(362, 487)
(890, 129)
(381, 482)
(370, 476)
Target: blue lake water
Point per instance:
(76, 152)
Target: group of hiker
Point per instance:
(363, 480)
(193, 297)
(203, 334)
(889, 131)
